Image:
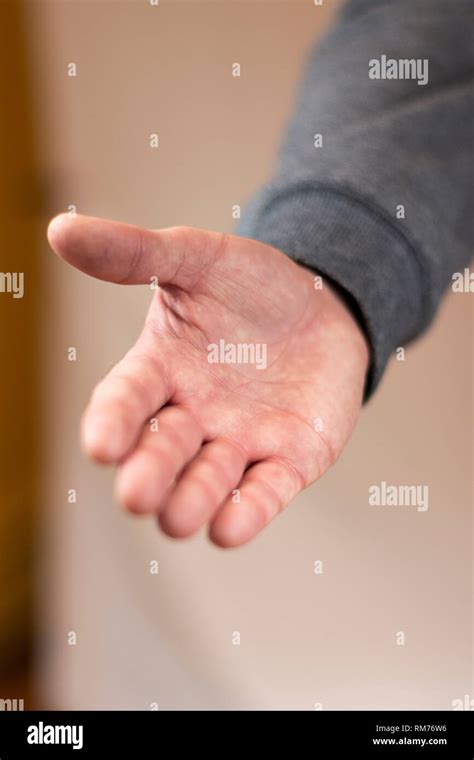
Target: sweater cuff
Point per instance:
(356, 246)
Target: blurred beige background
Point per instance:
(307, 639)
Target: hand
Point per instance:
(198, 441)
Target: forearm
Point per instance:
(379, 202)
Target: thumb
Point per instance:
(129, 255)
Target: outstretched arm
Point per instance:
(247, 380)
(374, 183)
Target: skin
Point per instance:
(184, 433)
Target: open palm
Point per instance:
(241, 390)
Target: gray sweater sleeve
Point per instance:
(379, 202)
